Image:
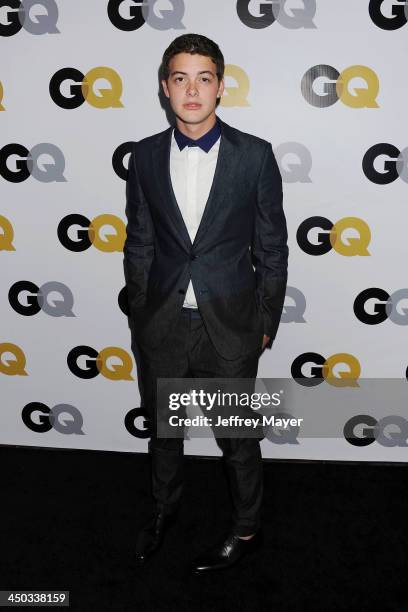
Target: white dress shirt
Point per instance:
(192, 173)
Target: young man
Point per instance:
(204, 207)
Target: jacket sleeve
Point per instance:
(269, 244)
(138, 249)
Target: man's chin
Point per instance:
(193, 116)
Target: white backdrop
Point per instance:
(320, 149)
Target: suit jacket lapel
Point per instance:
(161, 165)
(229, 155)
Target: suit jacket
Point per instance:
(243, 227)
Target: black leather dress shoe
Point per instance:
(151, 536)
(227, 553)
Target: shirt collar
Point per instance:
(205, 142)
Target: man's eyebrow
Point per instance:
(201, 72)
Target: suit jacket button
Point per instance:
(182, 291)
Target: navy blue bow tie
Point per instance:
(190, 143)
(205, 142)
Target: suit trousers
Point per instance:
(187, 352)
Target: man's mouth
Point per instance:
(192, 105)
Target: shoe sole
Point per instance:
(217, 568)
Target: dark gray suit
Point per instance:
(243, 222)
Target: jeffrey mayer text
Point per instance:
(234, 421)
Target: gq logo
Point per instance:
(28, 299)
(293, 313)
(18, 15)
(394, 17)
(334, 86)
(91, 233)
(331, 236)
(326, 369)
(259, 14)
(129, 18)
(299, 170)
(385, 306)
(40, 418)
(118, 157)
(82, 87)
(235, 95)
(27, 163)
(6, 235)
(98, 363)
(277, 434)
(12, 367)
(376, 430)
(134, 419)
(388, 170)
(123, 301)
(1, 96)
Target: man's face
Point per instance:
(192, 87)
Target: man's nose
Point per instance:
(192, 89)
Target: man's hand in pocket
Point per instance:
(265, 341)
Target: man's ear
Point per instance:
(165, 88)
(220, 88)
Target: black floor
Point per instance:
(336, 535)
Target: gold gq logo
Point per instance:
(329, 370)
(6, 235)
(323, 86)
(332, 236)
(91, 233)
(83, 87)
(236, 95)
(14, 366)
